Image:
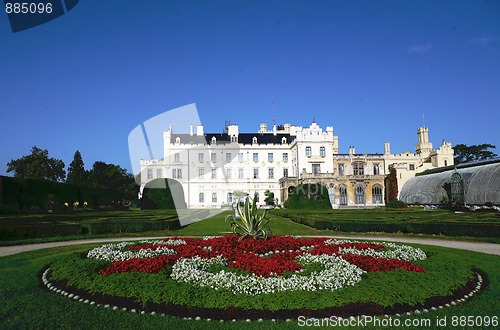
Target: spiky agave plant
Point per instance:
(250, 222)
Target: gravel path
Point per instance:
(488, 248)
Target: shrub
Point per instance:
(161, 193)
(396, 204)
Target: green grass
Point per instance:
(25, 305)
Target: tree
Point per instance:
(114, 177)
(38, 165)
(464, 153)
(391, 185)
(76, 172)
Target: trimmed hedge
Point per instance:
(105, 226)
(159, 194)
(83, 223)
(22, 194)
(436, 228)
(308, 196)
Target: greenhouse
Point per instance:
(476, 184)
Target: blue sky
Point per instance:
(371, 69)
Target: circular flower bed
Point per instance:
(254, 270)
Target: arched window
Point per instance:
(177, 140)
(283, 140)
(214, 140)
(343, 195)
(254, 140)
(201, 198)
(359, 194)
(331, 193)
(377, 194)
(445, 162)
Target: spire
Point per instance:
(273, 112)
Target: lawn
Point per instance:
(24, 304)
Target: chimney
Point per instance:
(263, 128)
(199, 130)
(387, 148)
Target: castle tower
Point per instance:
(423, 146)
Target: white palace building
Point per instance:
(211, 167)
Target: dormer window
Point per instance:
(233, 138)
(254, 140)
(214, 140)
(177, 140)
(283, 140)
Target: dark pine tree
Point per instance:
(76, 171)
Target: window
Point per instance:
(201, 157)
(240, 157)
(270, 157)
(285, 157)
(177, 157)
(214, 197)
(228, 173)
(285, 172)
(283, 140)
(377, 194)
(201, 198)
(322, 152)
(358, 168)
(228, 157)
(213, 157)
(254, 140)
(255, 173)
(316, 168)
(412, 167)
(271, 173)
(214, 140)
(150, 174)
(241, 174)
(201, 173)
(308, 151)
(376, 169)
(445, 162)
(214, 173)
(255, 157)
(177, 173)
(359, 194)
(158, 173)
(343, 195)
(229, 197)
(234, 138)
(341, 169)
(257, 197)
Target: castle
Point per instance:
(212, 167)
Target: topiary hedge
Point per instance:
(308, 196)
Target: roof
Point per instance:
(243, 138)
